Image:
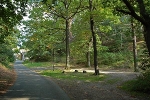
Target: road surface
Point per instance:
(31, 86)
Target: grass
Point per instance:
(129, 86)
(37, 64)
(86, 77)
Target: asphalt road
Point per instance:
(31, 86)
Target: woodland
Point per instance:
(88, 33)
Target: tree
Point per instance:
(66, 10)
(91, 8)
(134, 45)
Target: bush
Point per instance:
(4, 59)
(6, 55)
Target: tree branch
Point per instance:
(123, 11)
(133, 13)
(142, 9)
(77, 10)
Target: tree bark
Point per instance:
(134, 45)
(53, 59)
(69, 27)
(94, 38)
(67, 45)
(147, 37)
(88, 59)
(88, 54)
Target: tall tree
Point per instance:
(65, 9)
(91, 8)
(134, 44)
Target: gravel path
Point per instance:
(103, 90)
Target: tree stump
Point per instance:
(63, 71)
(76, 71)
(97, 72)
(84, 71)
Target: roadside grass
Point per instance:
(37, 64)
(129, 86)
(86, 77)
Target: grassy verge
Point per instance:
(130, 87)
(86, 77)
(37, 64)
(7, 78)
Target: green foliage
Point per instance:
(116, 59)
(86, 77)
(11, 13)
(40, 39)
(6, 55)
(46, 27)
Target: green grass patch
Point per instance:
(86, 77)
(131, 87)
(37, 64)
(128, 85)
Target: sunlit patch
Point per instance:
(18, 98)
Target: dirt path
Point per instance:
(103, 90)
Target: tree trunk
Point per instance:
(88, 59)
(94, 38)
(134, 45)
(88, 55)
(69, 27)
(53, 59)
(147, 37)
(67, 45)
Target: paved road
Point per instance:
(31, 86)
